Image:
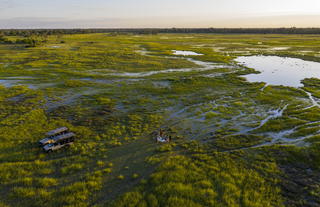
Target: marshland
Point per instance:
(241, 136)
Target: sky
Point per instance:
(158, 13)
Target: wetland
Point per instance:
(242, 110)
(283, 71)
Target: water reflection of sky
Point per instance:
(280, 70)
(185, 53)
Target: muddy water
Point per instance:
(276, 70)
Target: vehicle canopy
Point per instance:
(63, 136)
(57, 131)
(162, 137)
(48, 147)
(45, 141)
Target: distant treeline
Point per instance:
(30, 40)
(292, 30)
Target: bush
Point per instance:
(211, 115)
(72, 168)
(135, 176)
(107, 170)
(120, 177)
(47, 182)
(75, 83)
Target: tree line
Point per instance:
(29, 40)
(44, 32)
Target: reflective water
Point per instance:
(280, 70)
(185, 53)
(8, 83)
(204, 66)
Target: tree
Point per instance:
(2, 38)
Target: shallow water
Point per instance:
(55, 46)
(280, 48)
(185, 53)
(313, 101)
(273, 115)
(280, 70)
(161, 84)
(8, 83)
(203, 66)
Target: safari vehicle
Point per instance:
(52, 134)
(162, 137)
(60, 142)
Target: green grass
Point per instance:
(73, 81)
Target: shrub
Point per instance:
(47, 182)
(107, 170)
(120, 177)
(72, 168)
(100, 163)
(135, 176)
(211, 115)
(75, 83)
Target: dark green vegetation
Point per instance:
(234, 143)
(292, 30)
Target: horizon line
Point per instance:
(159, 28)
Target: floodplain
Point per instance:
(235, 142)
